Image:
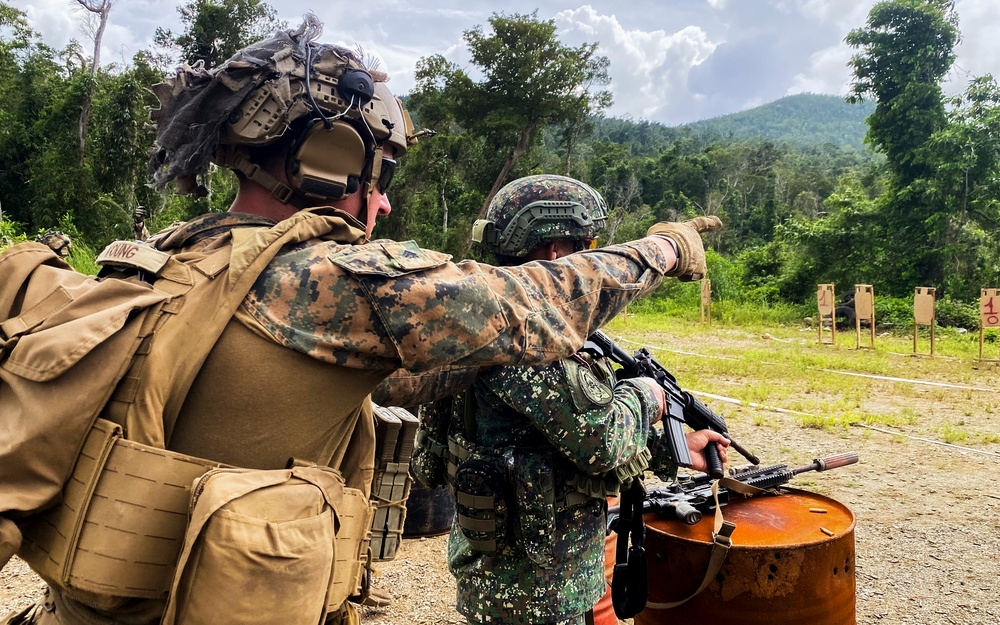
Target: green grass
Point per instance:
(781, 366)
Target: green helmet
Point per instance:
(535, 210)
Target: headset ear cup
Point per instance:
(324, 161)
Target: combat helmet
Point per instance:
(535, 210)
(335, 113)
(57, 240)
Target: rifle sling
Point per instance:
(721, 541)
(629, 582)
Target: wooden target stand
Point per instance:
(989, 316)
(826, 303)
(864, 310)
(923, 314)
(706, 301)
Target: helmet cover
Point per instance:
(539, 209)
(252, 99)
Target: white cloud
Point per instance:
(845, 14)
(977, 52)
(666, 61)
(828, 73)
(649, 69)
(130, 25)
(54, 18)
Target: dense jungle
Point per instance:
(896, 186)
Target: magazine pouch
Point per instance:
(534, 491)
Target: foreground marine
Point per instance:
(268, 406)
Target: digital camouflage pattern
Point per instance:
(516, 195)
(386, 305)
(570, 413)
(380, 306)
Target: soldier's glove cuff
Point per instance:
(691, 250)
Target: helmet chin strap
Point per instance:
(368, 187)
(236, 158)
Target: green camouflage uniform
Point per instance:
(572, 415)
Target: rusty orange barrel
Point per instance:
(791, 563)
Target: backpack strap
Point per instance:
(207, 291)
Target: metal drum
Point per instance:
(791, 563)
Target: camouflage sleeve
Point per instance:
(596, 427)
(407, 389)
(662, 463)
(387, 305)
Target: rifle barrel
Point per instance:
(829, 462)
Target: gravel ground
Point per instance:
(927, 536)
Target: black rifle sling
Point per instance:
(629, 582)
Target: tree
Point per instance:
(905, 50)
(216, 29)
(530, 80)
(99, 11)
(966, 184)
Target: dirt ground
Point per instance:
(927, 534)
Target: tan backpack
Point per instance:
(74, 348)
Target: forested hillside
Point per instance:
(803, 200)
(805, 120)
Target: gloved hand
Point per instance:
(691, 250)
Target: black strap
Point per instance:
(629, 583)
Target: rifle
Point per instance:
(682, 408)
(688, 499)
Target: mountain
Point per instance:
(802, 119)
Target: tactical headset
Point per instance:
(340, 144)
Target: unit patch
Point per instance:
(595, 390)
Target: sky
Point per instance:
(672, 61)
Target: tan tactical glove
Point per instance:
(690, 248)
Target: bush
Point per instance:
(956, 314)
(894, 312)
(10, 234)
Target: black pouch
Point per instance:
(429, 462)
(481, 507)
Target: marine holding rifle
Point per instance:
(534, 451)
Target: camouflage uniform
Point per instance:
(534, 451)
(334, 315)
(572, 414)
(364, 310)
